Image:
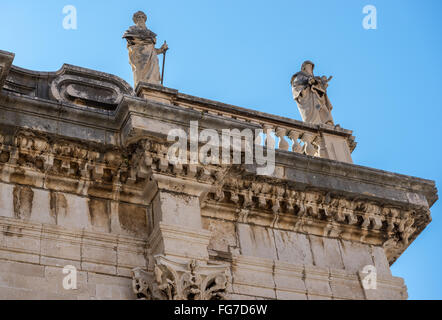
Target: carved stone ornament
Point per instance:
(88, 88)
(143, 56)
(310, 93)
(173, 280)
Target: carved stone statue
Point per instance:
(143, 56)
(310, 93)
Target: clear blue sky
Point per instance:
(386, 87)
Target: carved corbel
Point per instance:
(234, 197)
(248, 202)
(262, 202)
(300, 203)
(312, 202)
(219, 194)
(289, 205)
(342, 207)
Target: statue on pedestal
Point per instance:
(310, 93)
(143, 56)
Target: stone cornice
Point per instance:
(302, 170)
(295, 163)
(76, 160)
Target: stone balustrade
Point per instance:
(324, 141)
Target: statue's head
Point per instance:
(140, 18)
(308, 67)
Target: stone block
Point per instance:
(177, 209)
(253, 276)
(326, 252)
(99, 252)
(6, 200)
(54, 277)
(99, 215)
(22, 269)
(179, 241)
(59, 244)
(72, 211)
(345, 285)
(256, 241)
(41, 211)
(57, 262)
(223, 234)
(355, 256)
(317, 283)
(98, 267)
(387, 288)
(19, 275)
(111, 287)
(337, 148)
(234, 296)
(8, 254)
(380, 261)
(289, 281)
(293, 247)
(11, 293)
(20, 238)
(290, 295)
(130, 256)
(132, 220)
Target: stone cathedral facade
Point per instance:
(86, 183)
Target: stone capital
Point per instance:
(185, 279)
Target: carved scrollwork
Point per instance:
(88, 88)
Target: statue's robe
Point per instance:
(312, 100)
(143, 55)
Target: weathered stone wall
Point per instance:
(270, 263)
(43, 231)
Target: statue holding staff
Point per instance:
(143, 56)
